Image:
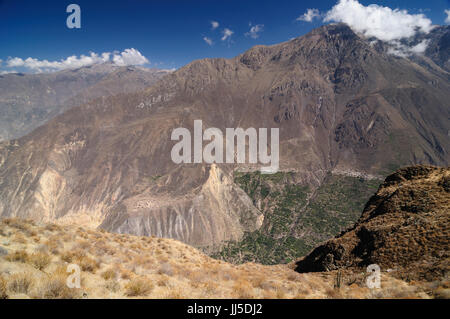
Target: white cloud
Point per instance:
(227, 33)
(13, 62)
(421, 47)
(127, 57)
(71, 62)
(214, 25)
(383, 23)
(447, 20)
(309, 15)
(403, 50)
(255, 30)
(208, 40)
(7, 72)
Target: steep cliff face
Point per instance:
(199, 205)
(217, 211)
(404, 227)
(340, 105)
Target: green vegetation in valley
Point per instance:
(292, 224)
(337, 204)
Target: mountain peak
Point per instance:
(335, 30)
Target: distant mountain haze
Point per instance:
(29, 100)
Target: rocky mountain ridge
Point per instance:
(404, 228)
(340, 105)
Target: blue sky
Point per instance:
(168, 33)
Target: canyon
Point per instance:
(348, 113)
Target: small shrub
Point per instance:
(67, 256)
(56, 288)
(20, 283)
(40, 260)
(19, 238)
(52, 227)
(109, 274)
(138, 287)
(53, 245)
(125, 274)
(87, 264)
(280, 293)
(260, 282)
(3, 294)
(175, 294)
(302, 293)
(16, 223)
(31, 233)
(18, 256)
(242, 289)
(79, 257)
(163, 281)
(333, 293)
(101, 249)
(439, 293)
(112, 285)
(83, 244)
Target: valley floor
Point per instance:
(34, 259)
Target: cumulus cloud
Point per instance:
(227, 33)
(13, 62)
(309, 15)
(377, 21)
(69, 63)
(127, 57)
(214, 25)
(208, 40)
(255, 31)
(447, 20)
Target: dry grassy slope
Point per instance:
(404, 227)
(34, 259)
(339, 103)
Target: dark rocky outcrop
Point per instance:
(404, 227)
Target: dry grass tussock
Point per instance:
(123, 266)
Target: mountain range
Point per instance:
(29, 100)
(348, 112)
